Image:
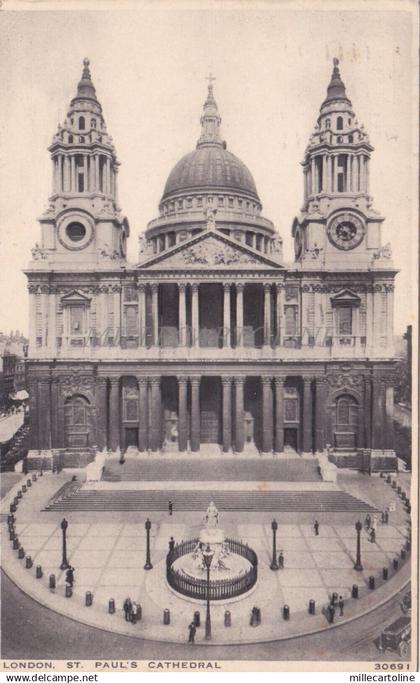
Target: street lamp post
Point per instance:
(148, 526)
(274, 564)
(64, 561)
(208, 557)
(358, 564)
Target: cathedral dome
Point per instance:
(210, 167)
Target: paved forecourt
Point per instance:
(108, 553)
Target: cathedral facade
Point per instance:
(211, 342)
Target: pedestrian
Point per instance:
(383, 517)
(368, 521)
(316, 527)
(170, 508)
(331, 612)
(192, 630)
(333, 599)
(171, 544)
(281, 560)
(372, 536)
(386, 517)
(134, 612)
(341, 605)
(127, 607)
(374, 522)
(70, 576)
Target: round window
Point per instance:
(76, 231)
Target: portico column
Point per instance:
(279, 432)
(227, 413)
(239, 414)
(102, 412)
(324, 173)
(72, 174)
(195, 322)
(143, 415)
(155, 313)
(156, 424)
(320, 412)
(195, 414)
(279, 313)
(313, 182)
(389, 416)
(52, 332)
(267, 414)
(97, 178)
(267, 314)
(307, 415)
(108, 175)
(182, 317)
(55, 399)
(227, 338)
(142, 315)
(378, 417)
(85, 174)
(44, 421)
(182, 414)
(239, 314)
(114, 413)
(44, 314)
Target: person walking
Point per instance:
(368, 521)
(134, 613)
(281, 560)
(192, 630)
(127, 607)
(331, 613)
(372, 536)
(341, 605)
(70, 576)
(171, 544)
(170, 508)
(316, 527)
(334, 598)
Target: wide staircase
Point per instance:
(212, 469)
(71, 498)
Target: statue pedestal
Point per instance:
(212, 537)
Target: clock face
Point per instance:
(346, 231)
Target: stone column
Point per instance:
(348, 173)
(52, 324)
(117, 313)
(239, 414)
(227, 337)
(313, 180)
(239, 314)
(389, 417)
(368, 412)
(72, 174)
(44, 415)
(267, 414)
(156, 424)
(279, 431)
(376, 315)
(307, 415)
(66, 174)
(182, 414)
(324, 173)
(108, 175)
(55, 441)
(378, 413)
(227, 413)
(182, 315)
(267, 314)
(102, 412)
(33, 413)
(279, 313)
(85, 174)
(97, 178)
(195, 317)
(320, 412)
(54, 175)
(44, 314)
(155, 313)
(142, 314)
(195, 414)
(390, 316)
(114, 413)
(143, 414)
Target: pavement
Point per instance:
(108, 553)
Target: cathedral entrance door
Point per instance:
(131, 437)
(210, 410)
(291, 438)
(76, 422)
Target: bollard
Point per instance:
(12, 507)
(69, 590)
(228, 618)
(24, 488)
(88, 598)
(19, 494)
(385, 574)
(395, 563)
(139, 612)
(34, 477)
(41, 474)
(29, 562)
(388, 479)
(394, 484)
(11, 535)
(21, 553)
(399, 489)
(402, 553)
(311, 608)
(38, 571)
(286, 612)
(166, 617)
(16, 500)
(355, 591)
(371, 582)
(51, 581)
(408, 545)
(16, 544)
(10, 519)
(111, 606)
(29, 483)
(196, 619)
(404, 496)
(258, 615)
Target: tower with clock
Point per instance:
(337, 225)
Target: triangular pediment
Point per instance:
(74, 297)
(345, 296)
(210, 250)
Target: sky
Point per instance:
(272, 63)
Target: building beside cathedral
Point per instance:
(211, 342)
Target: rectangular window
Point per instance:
(131, 321)
(344, 320)
(76, 321)
(291, 410)
(290, 315)
(80, 182)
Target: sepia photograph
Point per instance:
(208, 336)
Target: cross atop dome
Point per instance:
(210, 119)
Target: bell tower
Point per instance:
(337, 221)
(83, 223)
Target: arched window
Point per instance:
(81, 122)
(93, 123)
(70, 138)
(328, 123)
(346, 410)
(340, 138)
(350, 138)
(339, 123)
